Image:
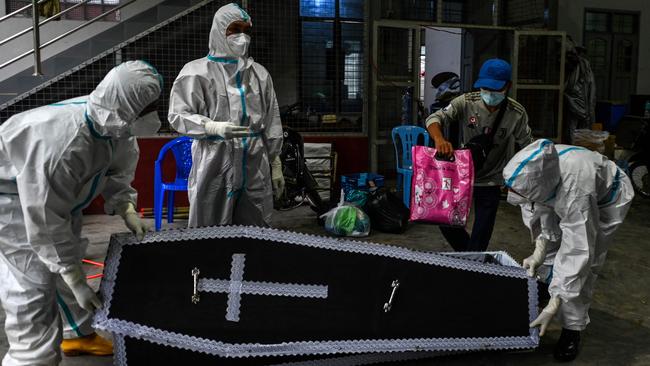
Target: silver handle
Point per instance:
(389, 304)
(195, 295)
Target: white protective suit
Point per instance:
(230, 180)
(54, 160)
(576, 199)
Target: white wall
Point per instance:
(50, 31)
(571, 19)
(443, 52)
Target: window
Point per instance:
(612, 40)
(317, 8)
(597, 53)
(87, 11)
(624, 23)
(596, 22)
(604, 22)
(332, 57)
(624, 54)
(352, 55)
(351, 9)
(317, 69)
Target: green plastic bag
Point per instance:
(347, 221)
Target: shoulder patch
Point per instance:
(473, 96)
(516, 106)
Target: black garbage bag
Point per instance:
(387, 212)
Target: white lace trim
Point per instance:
(265, 288)
(343, 245)
(107, 284)
(502, 257)
(119, 359)
(119, 351)
(533, 310)
(234, 287)
(158, 336)
(222, 349)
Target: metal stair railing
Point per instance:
(114, 49)
(35, 29)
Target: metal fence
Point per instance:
(519, 13)
(87, 11)
(528, 13)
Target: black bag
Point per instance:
(481, 145)
(387, 212)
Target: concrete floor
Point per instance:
(618, 335)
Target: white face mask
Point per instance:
(238, 44)
(492, 98)
(146, 125)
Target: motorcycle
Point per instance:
(300, 185)
(298, 115)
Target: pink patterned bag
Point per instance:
(441, 190)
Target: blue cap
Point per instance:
(494, 74)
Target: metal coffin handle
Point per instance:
(389, 304)
(195, 294)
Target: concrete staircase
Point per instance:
(22, 84)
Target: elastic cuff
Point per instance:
(553, 237)
(276, 163)
(72, 274)
(125, 208)
(554, 292)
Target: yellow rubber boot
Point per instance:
(92, 344)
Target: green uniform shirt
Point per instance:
(470, 112)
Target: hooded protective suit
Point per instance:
(54, 160)
(230, 180)
(576, 199)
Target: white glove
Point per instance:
(545, 317)
(132, 220)
(537, 258)
(226, 130)
(277, 178)
(75, 278)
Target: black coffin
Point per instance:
(239, 292)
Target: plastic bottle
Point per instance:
(646, 113)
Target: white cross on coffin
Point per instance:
(236, 286)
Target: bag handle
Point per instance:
(451, 158)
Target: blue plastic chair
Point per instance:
(182, 149)
(405, 137)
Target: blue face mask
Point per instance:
(491, 98)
